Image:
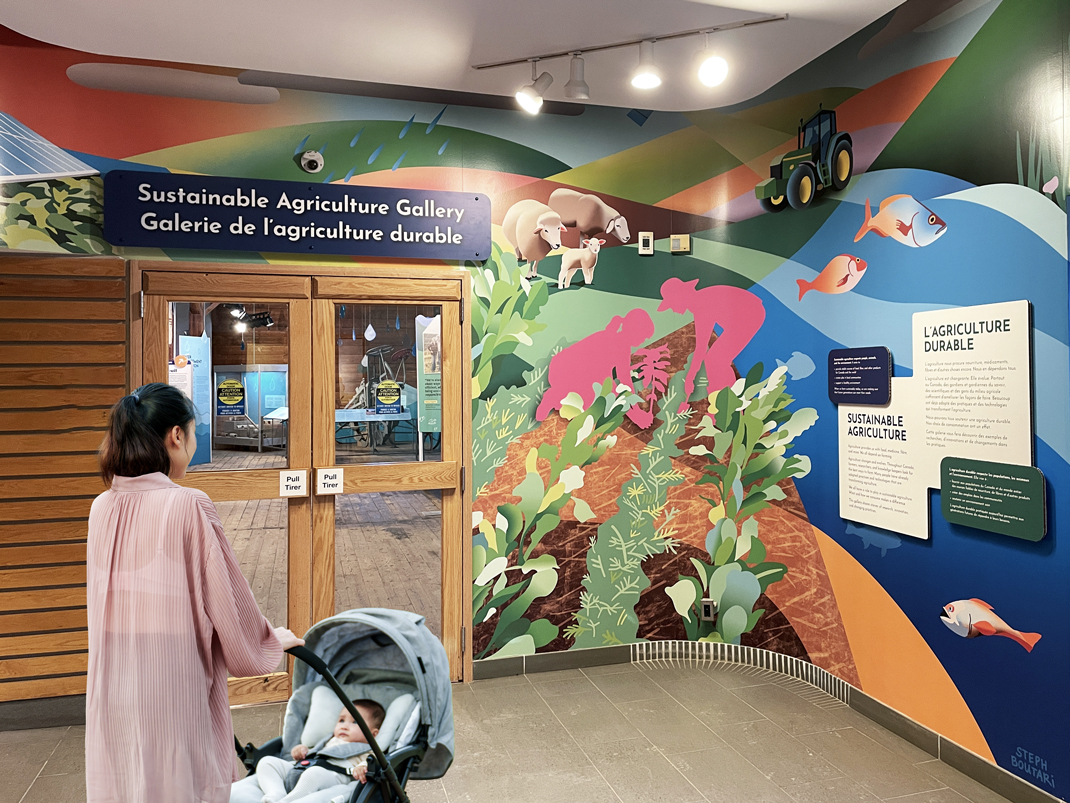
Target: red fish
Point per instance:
(839, 276)
(904, 220)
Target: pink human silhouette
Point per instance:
(580, 366)
(740, 315)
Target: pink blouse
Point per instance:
(169, 614)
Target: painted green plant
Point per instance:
(504, 308)
(507, 577)
(502, 419)
(748, 432)
(642, 527)
(63, 215)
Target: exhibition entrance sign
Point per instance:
(164, 210)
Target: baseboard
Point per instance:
(47, 712)
(551, 661)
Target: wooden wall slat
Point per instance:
(264, 689)
(13, 264)
(42, 554)
(46, 687)
(43, 621)
(33, 287)
(54, 420)
(82, 440)
(72, 310)
(221, 287)
(39, 598)
(44, 465)
(60, 332)
(32, 532)
(43, 398)
(42, 576)
(380, 291)
(43, 643)
(18, 668)
(45, 488)
(63, 355)
(39, 376)
(54, 509)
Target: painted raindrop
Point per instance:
(375, 153)
(405, 130)
(353, 141)
(434, 122)
(369, 333)
(301, 146)
(397, 164)
(443, 148)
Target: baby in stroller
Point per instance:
(353, 666)
(319, 767)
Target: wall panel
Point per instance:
(63, 346)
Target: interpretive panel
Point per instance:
(880, 480)
(860, 376)
(997, 497)
(974, 365)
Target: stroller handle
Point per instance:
(313, 660)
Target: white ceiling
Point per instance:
(434, 44)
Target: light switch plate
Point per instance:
(708, 610)
(646, 243)
(680, 243)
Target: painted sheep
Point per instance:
(589, 213)
(585, 259)
(534, 230)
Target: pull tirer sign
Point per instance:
(164, 210)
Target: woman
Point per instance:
(169, 615)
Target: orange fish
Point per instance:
(905, 220)
(970, 618)
(839, 276)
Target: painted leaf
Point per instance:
(683, 597)
(581, 510)
(491, 571)
(542, 632)
(731, 624)
(521, 645)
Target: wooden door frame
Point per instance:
(307, 558)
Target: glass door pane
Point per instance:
(233, 359)
(388, 553)
(388, 383)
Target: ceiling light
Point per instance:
(530, 97)
(240, 326)
(576, 88)
(237, 311)
(646, 75)
(713, 69)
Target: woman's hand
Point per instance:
(288, 639)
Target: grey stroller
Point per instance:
(383, 655)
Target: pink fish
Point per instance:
(970, 618)
(904, 220)
(839, 276)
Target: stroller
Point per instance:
(384, 655)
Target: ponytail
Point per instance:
(137, 426)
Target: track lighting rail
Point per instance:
(633, 42)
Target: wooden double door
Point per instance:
(355, 385)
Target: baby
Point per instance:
(338, 760)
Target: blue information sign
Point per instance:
(165, 210)
(860, 376)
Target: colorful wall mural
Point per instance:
(650, 431)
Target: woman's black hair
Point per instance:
(137, 426)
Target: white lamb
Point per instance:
(585, 259)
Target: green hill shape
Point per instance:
(269, 154)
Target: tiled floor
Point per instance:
(618, 734)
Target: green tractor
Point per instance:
(824, 158)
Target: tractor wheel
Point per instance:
(775, 204)
(843, 164)
(801, 187)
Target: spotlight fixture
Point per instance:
(530, 97)
(646, 75)
(246, 322)
(576, 88)
(713, 69)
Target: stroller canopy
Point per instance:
(366, 642)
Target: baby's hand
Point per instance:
(360, 772)
(299, 752)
